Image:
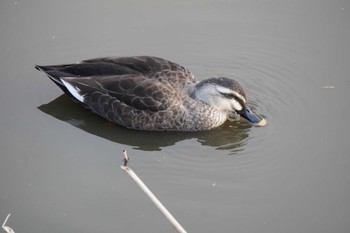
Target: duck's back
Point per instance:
(156, 68)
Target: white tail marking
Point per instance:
(73, 90)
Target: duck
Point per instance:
(151, 93)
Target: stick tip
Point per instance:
(126, 158)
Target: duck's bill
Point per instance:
(252, 117)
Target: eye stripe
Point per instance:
(234, 96)
(242, 98)
(228, 95)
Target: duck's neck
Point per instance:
(202, 93)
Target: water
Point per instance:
(59, 169)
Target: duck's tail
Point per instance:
(55, 74)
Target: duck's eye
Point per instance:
(228, 95)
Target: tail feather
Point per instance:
(55, 75)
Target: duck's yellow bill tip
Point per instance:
(263, 122)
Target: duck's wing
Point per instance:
(129, 80)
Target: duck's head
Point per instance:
(226, 95)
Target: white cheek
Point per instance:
(236, 105)
(74, 91)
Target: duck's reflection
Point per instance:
(229, 136)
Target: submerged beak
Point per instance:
(251, 116)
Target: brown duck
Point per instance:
(150, 93)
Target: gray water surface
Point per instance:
(60, 164)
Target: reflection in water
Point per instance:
(229, 136)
